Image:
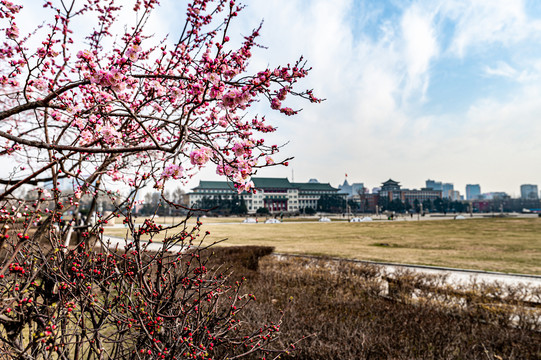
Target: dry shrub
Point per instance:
(241, 257)
(345, 312)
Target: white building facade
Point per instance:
(278, 195)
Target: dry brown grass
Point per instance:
(497, 244)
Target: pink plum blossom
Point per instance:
(200, 156)
(115, 175)
(12, 32)
(172, 171)
(109, 134)
(86, 137)
(133, 52)
(224, 169)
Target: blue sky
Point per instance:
(441, 89)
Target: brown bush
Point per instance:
(345, 312)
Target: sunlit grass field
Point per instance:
(495, 244)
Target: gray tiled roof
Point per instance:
(215, 185)
(266, 183)
(314, 187)
(275, 183)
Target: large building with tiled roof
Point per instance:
(391, 190)
(278, 195)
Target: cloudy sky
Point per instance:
(438, 89)
(447, 90)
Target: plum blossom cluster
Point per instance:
(106, 133)
(131, 109)
(8, 9)
(39, 84)
(200, 156)
(243, 148)
(260, 125)
(10, 50)
(12, 32)
(109, 134)
(157, 100)
(173, 171)
(132, 53)
(240, 170)
(113, 78)
(236, 97)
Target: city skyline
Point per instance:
(371, 187)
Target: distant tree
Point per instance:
(458, 206)
(416, 205)
(238, 206)
(427, 205)
(151, 204)
(179, 196)
(519, 204)
(396, 205)
(383, 203)
(354, 206)
(407, 206)
(331, 203)
(441, 205)
(363, 201)
(262, 211)
(438, 205)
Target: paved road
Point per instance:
(461, 277)
(378, 218)
(466, 276)
(113, 242)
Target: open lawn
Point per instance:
(496, 244)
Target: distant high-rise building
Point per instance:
(454, 195)
(473, 191)
(529, 192)
(357, 188)
(447, 190)
(352, 189)
(494, 195)
(434, 185)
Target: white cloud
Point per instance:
(501, 69)
(527, 72)
(420, 47)
(482, 23)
